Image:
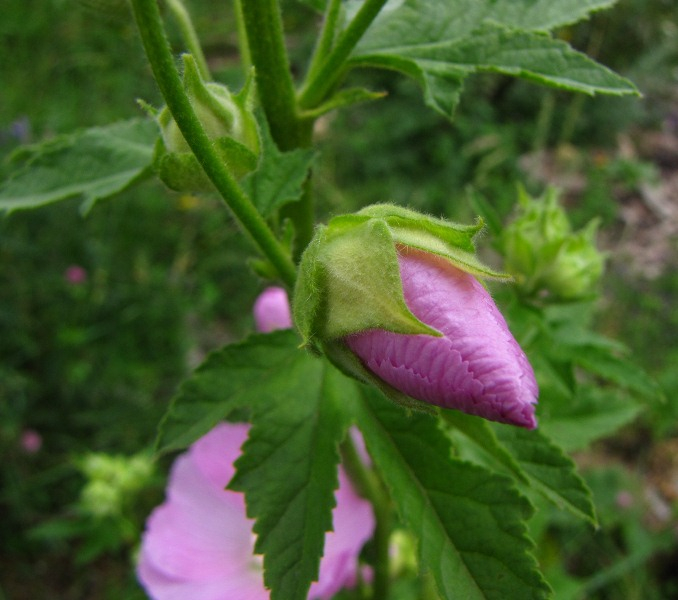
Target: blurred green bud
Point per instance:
(545, 257)
(112, 481)
(228, 120)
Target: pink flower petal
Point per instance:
(199, 545)
(476, 367)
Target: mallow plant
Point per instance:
(408, 399)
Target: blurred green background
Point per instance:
(101, 317)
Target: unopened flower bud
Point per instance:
(272, 310)
(391, 297)
(227, 119)
(545, 257)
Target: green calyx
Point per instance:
(349, 277)
(229, 122)
(546, 258)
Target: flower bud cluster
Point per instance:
(546, 258)
(228, 120)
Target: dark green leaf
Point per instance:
(231, 378)
(288, 469)
(471, 522)
(439, 44)
(95, 163)
(550, 471)
(280, 176)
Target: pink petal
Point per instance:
(272, 310)
(477, 366)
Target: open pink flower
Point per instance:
(476, 367)
(199, 544)
(272, 310)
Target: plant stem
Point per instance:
(320, 82)
(326, 38)
(264, 32)
(263, 24)
(159, 54)
(370, 486)
(191, 40)
(243, 44)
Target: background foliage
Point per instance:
(112, 347)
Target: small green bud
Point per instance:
(545, 257)
(229, 122)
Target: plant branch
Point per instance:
(326, 38)
(320, 82)
(159, 54)
(263, 25)
(191, 40)
(371, 487)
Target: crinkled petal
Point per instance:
(477, 366)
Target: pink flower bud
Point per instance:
(476, 366)
(75, 275)
(31, 441)
(272, 310)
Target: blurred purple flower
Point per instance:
(272, 310)
(31, 441)
(476, 367)
(75, 275)
(199, 544)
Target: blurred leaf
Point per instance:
(280, 176)
(550, 471)
(343, 98)
(470, 521)
(288, 467)
(94, 163)
(594, 413)
(440, 44)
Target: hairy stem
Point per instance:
(159, 54)
(322, 80)
(189, 35)
(263, 25)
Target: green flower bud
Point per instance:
(545, 257)
(228, 121)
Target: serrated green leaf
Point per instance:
(471, 522)
(95, 163)
(231, 378)
(439, 44)
(480, 432)
(550, 471)
(288, 469)
(280, 176)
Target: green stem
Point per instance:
(326, 38)
(370, 486)
(189, 35)
(243, 44)
(159, 54)
(263, 24)
(264, 31)
(320, 82)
